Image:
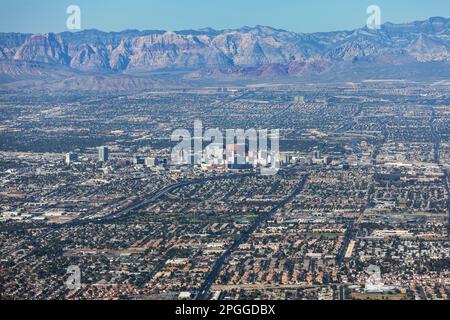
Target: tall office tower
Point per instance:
(71, 157)
(103, 154)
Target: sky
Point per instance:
(40, 16)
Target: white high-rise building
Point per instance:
(103, 154)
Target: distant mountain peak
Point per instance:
(258, 51)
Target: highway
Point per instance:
(218, 265)
(138, 204)
(447, 180)
(162, 192)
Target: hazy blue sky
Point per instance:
(294, 15)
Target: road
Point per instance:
(447, 180)
(437, 159)
(218, 265)
(162, 192)
(138, 204)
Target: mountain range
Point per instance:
(134, 59)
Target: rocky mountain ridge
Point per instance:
(246, 52)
